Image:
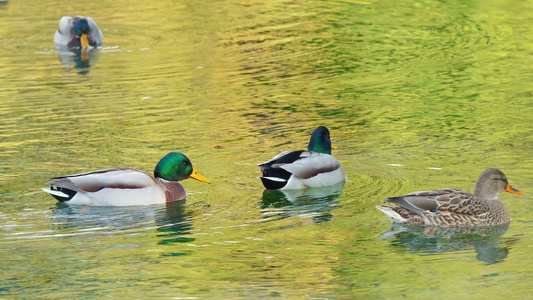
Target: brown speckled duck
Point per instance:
(454, 207)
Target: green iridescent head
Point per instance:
(81, 26)
(320, 141)
(176, 166)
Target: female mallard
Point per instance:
(125, 186)
(300, 169)
(78, 32)
(454, 207)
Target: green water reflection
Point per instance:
(315, 204)
(485, 241)
(417, 96)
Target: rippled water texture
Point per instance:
(417, 95)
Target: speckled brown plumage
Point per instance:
(454, 207)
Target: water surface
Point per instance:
(417, 96)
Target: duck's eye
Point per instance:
(184, 163)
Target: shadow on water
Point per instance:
(313, 202)
(171, 220)
(174, 224)
(77, 58)
(486, 241)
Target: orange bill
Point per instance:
(84, 39)
(333, 147)
(197, 176)
(512, 190)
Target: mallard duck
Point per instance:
(454, 207)
(125, 186)
(78, 32)
(300, 169)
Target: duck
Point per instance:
(78, 32)
(449, 207)
(126, 186)
(299, 169)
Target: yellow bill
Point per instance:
(512, 190)
(84, 39)
(195, 175)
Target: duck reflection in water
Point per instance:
(315, 203)
(172, 221)
(77, 58)
(485, 241)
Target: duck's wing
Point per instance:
(283, 158)
(64, 31)
(442, 200)
(310, 164)
(118, 178)
(302, 164)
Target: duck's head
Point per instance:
(175, 167)
(320, 141)
(82, 31)
(491, 183)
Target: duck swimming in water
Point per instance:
(301, 169)
(454, 207)
(78, 32)
(125, 186)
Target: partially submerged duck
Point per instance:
(78, 32)
(301, 169)
(454, 207)
(125, 186)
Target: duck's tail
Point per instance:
(61, 194)
(273, 183)
(275, 178)
(392, 214)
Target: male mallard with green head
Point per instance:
(125, 186)
(454, 207)
(79, 32)
(300, 169)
